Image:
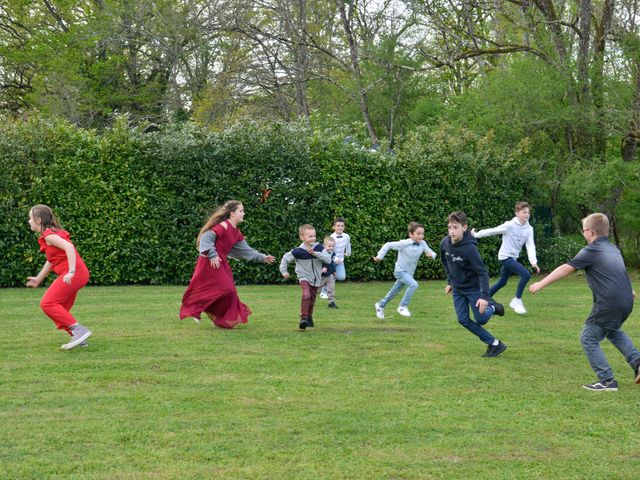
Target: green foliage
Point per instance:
(135, 201)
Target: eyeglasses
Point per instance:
(585, 230)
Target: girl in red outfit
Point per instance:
(63, 259)
(212, 289)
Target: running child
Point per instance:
(515, 233)
(468, 280)
(309, 257)
(409, 252)
(343, 250)
(328, 283)
(613, 297)
(66, 263)
(212, 289)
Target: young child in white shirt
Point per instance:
(516, 233)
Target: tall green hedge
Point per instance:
(134, 201)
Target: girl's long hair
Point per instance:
(46, 216)
(221, 214)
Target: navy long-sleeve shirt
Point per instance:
(463, 265)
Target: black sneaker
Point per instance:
(310, 322)
(498, 308)
(603, 386)
(332, 305)
(495, 350)
(304, 323)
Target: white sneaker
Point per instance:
(324, 295)
(517, 306)
(79, 333)
(404, 311)
(379, 311)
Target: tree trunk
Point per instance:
(355, 65)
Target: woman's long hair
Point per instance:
(46, 217)
(221, 214)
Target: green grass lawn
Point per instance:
(354, 398)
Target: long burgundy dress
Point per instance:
(212, 290)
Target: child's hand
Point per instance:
(338, 261)
(429, 254)
(32, 282)
(269, 259)
(448, 289)
(324, 269)
(376, 259)
(311, 251)
(285, 275)
(482, 305)
(536, 268)
(535, 287)
(215, 262)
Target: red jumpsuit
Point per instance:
(212, 290)
(59, 297)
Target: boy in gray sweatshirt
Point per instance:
(516, 233)
(309, 257)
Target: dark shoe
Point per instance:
(304, 323)
(636, 371)
(310, 322)
(332, 305)
(495, 350)
(603, 386)
(498, 308)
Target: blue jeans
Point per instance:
(403, 278)
(341, 272)
(511, 266)
(591, 336)
(462, 300)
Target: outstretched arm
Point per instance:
(35, 282)
(242, 251)
(560, 272)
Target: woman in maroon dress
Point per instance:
(212, 289)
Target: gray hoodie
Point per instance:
(308, 266)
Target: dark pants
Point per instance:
(462, 301)
(511, 266)
(309, 293)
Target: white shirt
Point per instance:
(514, 236)
(409, 252)
(343, 245)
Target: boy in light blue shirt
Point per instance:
(409, 252)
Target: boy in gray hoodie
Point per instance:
(309, 257)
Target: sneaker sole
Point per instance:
(600, 389)
(75, 343)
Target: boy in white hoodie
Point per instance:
(515, 233)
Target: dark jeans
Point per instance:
(511, 266)
(591, 336)
(462, 300)
(309, 293)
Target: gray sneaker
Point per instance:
(79, 333)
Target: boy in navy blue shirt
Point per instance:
(468, 280)
(612, 300)
(328, 282)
